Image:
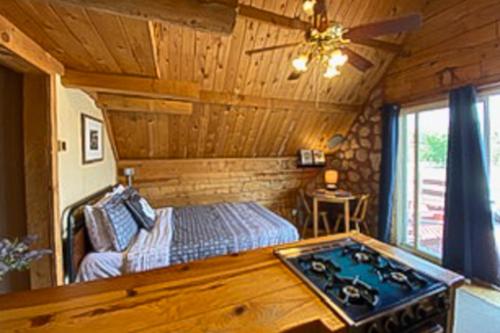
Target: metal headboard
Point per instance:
(76, 242)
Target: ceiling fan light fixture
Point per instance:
(308, 7)
(331, 72)
(337, 59)
(300, 63)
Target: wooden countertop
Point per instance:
(248, 292)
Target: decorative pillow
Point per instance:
(96, 222)
(122, 227)
(142, 212)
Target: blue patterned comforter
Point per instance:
(212, 230)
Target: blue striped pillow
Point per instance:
(122, 226)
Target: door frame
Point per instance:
(39, 69)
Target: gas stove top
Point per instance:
(364, 286)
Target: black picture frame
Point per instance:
(92, 139)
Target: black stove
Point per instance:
(372, 292)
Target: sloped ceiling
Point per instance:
(97, 42)
(459, 44)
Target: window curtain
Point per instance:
(469, 242)
(390, 133)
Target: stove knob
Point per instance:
(443, 302)
(374, 328)
(391, 325)
(423, 311)
(407, 318)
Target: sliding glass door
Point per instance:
(421, 186)
(422, 181)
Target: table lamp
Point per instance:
(129, 173)
(331, 179)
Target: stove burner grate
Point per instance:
(403, 276)
(318, 265)
(350, 291)
(361, 254)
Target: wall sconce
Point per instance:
(129, 173)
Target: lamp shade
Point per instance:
(331, 177)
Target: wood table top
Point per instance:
(248, 292)
(325, 195)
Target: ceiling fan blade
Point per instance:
(294, 76)
(379, 44)
(370, 30)
(272, 18)
(270, 48)
(357, 60)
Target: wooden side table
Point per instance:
(331, 198)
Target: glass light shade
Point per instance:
(308, 7)
(300, 63)
(331, 72)
(337, 59)
(331, 177)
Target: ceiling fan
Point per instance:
(326, 42)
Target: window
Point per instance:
(422, 173)
(422, 180)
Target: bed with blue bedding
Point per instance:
(196, 233)
(205, 231)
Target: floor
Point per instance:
(477, 310)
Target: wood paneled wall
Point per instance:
(214, 131)
(458, 44)
(272, 182)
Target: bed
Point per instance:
(185, 234)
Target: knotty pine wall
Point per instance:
(272, 182)
(458, 44)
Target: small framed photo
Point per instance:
(319, 157)
(306, 157)
(92, 139)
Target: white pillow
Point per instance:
(96, 221)
(147, 209)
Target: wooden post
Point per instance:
(42, 200)
(315, 217)
(347, 218)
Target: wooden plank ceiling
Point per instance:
(465, 51)
(92, 41)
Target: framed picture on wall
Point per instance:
(306, 157)
(92, 139)
(319, 157)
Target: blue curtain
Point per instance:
(469, 242)
(388, 167)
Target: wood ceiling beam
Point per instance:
(209, 15)
(272, 18)
(156, 92)
(137, 104)
(21, 53)
(213, 97)
(132, 85)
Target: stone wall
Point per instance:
(358, 158)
